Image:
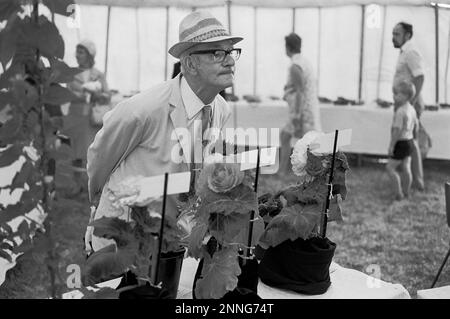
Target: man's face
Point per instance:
(218, 74)
(398, 36)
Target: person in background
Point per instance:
(301, 95)
(90, 87)
(405, 126)
(409, 68)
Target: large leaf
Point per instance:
(25, 94)
(28, 201)
(61, 72)
(225, 228)
(5, 255)
(7, 46)
(293, 222)
(113, 228)
(44, 36)
(62, 7)
(23, 175)
(58, 95)
(105, 264)
(102, 293)
(11, 154)
(10, 130)
(240, 200)
(335, 210)
(196, 237)
(8, 8)
(219, 275)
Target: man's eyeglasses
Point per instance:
(219, 55)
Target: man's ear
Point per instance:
(190, 65)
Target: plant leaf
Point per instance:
(293, 222)
(102, 293)
(60, 6)
(335, 210)
(196, 237)
(11, 154)
(105, 264)
(22, 176)
(8, 8)
(44, 36)
(61, 72)
(113, 228)
(219, 275)
(225, 228)
(58, 95)
(10, 130)
(5, 255)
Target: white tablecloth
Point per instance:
(371, 124)
(345, 284)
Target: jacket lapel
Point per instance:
(179, 119)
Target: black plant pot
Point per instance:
(169, 274)
(301, 265)
(169, 271)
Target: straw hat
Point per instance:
(200, 27)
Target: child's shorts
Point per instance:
(403, 149)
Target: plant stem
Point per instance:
(43, 163)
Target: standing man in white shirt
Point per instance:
(410, 69)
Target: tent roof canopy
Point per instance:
(256, 3)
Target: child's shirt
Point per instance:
(405, 119)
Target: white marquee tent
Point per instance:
(351, 61)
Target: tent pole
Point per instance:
(138, 73)
(255, 70)
(436, 22)
(167, 44)
(380, 61)
(229, 30)
(107, 39)
(319, 32)
(446, 66)
(361, 54)
(293, 20)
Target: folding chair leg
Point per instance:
(440, 269)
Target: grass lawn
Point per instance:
(405, 240)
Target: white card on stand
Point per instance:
(154, 186)
(325, 142)
(267, 157)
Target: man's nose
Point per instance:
(229, 60)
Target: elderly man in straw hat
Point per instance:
(142, 134)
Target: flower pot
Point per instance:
(169, 274)
(169, 271)
(247, 281)
(300, 265)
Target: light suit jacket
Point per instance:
(138, 138)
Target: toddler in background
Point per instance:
(405, 126)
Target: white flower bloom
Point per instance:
(299, 154)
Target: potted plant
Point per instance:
(136, 246)
(221, 220)
(294, 251)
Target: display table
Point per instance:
(371, 124)
(345, 284)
